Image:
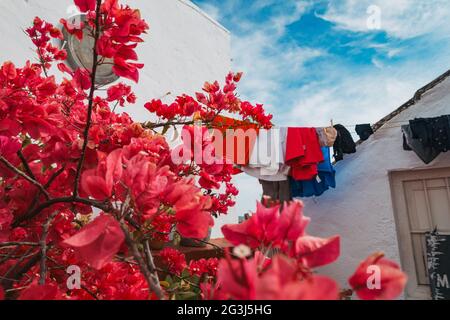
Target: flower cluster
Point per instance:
(289, 274)
(204, 267)
(41, 33)
(213, 101)
(174, 260)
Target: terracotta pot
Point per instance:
(156, 244)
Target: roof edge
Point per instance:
(416, 98)
(192, 5)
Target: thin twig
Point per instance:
(104, 206)
(16, 243)
(153, 285)
(10, 166)
(25, 164)
(90, 99)
(43, 244)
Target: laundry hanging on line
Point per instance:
(344, 143)
(267, 161)
(315, 187)
(297, 158)
(427, 137)
(364, 131)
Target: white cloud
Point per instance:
(400, 18)
(269, 66)
(360, 95)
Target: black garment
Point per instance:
(424, 150)
(277, 190)
(433, 132)
(344, 143)
(406, 146)
(364, 131)
(441, 133)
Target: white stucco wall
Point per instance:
(360, 208)
(183, 49)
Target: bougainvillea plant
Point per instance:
(83, 187)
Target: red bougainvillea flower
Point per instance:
(2, 293)
(315, 252)
(194, 221)
(268, 227)
(121, 93)
(237, 279)
(174, 260)
(377, 278)
(99, 182)
(284, 281)
(126, 69)
(85, 5)
(76, 30)
(204, 266)
(281, 280)
(97, 242)
(6, 219)
(9, 70)
(48, 291)
(8, 146)
(191, 207)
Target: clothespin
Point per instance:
(332, 124)
(197, 116)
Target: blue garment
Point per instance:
(317, 186)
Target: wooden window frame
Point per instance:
(397, 178)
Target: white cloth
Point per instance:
(268, 155)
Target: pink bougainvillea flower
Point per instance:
(281, 280)
(2, 293)
(98, 183)
(85, 5)
(174, 260)
(8, 146)
(315, 252)
(284, 281)
(9, 70)
(6, 219)
(268, 227)
(48, 291)
(97, 242)
(237, 279)
(292, 224)
(390, 284)
(82, 79)
(76, 30)
(128, 70)
(313, 288)
(259, 229)
(207, 181)
(193, 221)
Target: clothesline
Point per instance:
(354, 125)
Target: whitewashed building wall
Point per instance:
(183, 49)
(360, 209)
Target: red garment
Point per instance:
(303, 153)
(242, 145)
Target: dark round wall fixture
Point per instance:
(79, 53)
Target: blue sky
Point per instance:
(312, 61)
